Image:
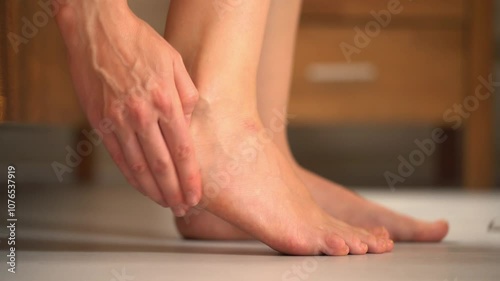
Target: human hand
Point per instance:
(127, 74)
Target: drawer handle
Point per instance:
(363, 72)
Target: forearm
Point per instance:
(70, 11)
(81, 21)
(106, 32)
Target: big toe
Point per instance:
(431, 231)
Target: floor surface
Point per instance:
(50, 252)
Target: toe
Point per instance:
(358, 248)
(380, 246)
(431, 232)
(389, 246)
(356, 245)
(380, 232)
(335, 246)
(376, 244)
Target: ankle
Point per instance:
(222, 101)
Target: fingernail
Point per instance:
(191, 199)
(178, 211)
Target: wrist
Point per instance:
(75, 11)
(79, 4)
(85, 21)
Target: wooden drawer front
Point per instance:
(362, 8)
(2, 107)
(402, 75)
(40, 89)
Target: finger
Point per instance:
(186, 89)
(179, 142)
(114, 149)
(138, 165)
(162, 168)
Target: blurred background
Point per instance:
(366, 89)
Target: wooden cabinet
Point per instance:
(352, 9)
(403, 75)
(415, 61)
(398, 61)
(3, 60)
(35, 82)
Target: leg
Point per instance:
(281, 25)
(247, 181)
(273, 89)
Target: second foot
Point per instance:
(356, 210)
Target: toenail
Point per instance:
(346, 249)
(363, 247)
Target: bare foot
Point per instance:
(358, 211)
(337, 201)
(250, 184)
(202, 225)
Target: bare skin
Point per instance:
(137, 94)
(247, 181)
(273, 85)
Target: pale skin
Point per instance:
(126, 74)
(273, 88)
(239, 60)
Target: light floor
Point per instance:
(125, 243)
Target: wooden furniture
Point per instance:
(409, 69)
(406, 62)
(36, 85)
